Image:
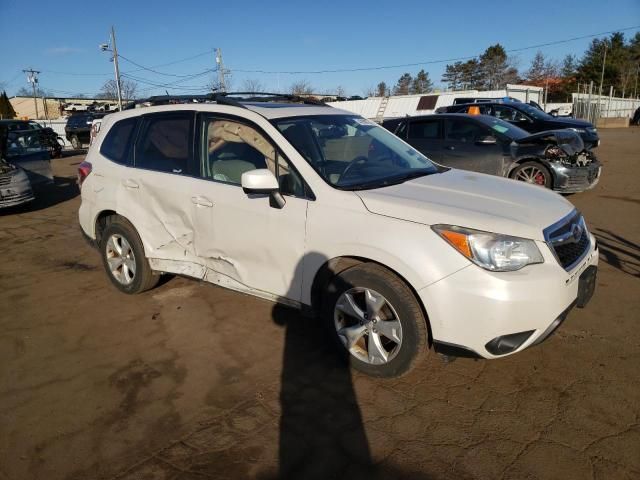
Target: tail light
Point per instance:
(84, 169)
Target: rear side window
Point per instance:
(424, 129)
(165, 143)
(115, 146)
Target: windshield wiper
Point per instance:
(386, 182)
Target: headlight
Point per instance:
(491, 251)
(578, 130)
(592, 129)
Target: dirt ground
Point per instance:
(191, 381)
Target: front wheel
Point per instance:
(375, 320)
(534, 173)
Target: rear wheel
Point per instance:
(375, 320)
(76, 143)
(534, 173)
(123, 257)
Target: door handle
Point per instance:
(130, 183)
(450, 147)
(202, 201)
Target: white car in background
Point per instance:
(76, 107)
(319, 208)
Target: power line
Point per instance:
(142, 67)
(431, 62)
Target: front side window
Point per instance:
(115, 146)
(164, 143)
(352, 153)
(232, 148)
(509, 114)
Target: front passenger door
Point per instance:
(246, 243)
(463, 148)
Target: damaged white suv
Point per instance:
(317, 207)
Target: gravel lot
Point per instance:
(192, 381)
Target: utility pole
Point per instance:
(220, 65)
(115, 65)
(32, 78)
(604, 61)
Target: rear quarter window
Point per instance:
(117, 142)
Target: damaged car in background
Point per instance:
(24, 163)
(555, 159)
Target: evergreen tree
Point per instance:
(422, 83)
(6, 109)
(496, 67)
(403, 85)
(382, 89)
(471, 75)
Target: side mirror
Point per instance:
(487, 140)
(262, 182)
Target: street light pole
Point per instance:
(115, 66)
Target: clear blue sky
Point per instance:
(61, 38)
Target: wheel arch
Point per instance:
(337, 265)
(100, 222)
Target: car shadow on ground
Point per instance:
(71, 152)
(60, 190)
(617, 251)
(322, 434)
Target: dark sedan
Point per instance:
(529, 118)
(554, 159)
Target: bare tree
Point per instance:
(301, 87)
(340, 91)
(110, 89)
(253, 85)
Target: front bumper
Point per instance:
(473, 307)
(569, 179)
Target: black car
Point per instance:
(528, 118)
(78, 128)
(48, 137)
(554, 159)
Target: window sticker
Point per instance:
(499, 128)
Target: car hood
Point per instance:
(570, 123)
(568, 140)
(471, 200)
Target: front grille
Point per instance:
(570, 253)
(6, 179)
(569, 239)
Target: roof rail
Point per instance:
(269, 97)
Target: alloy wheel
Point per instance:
(531, 174)
(121, 259)
(368, 325)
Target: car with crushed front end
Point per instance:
(321, 209)
(554, 159)
(529, 118)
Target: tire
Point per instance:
(75, 142)
(534, 173)
(120, 242)
(396, 306)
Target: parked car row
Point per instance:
(322, 209)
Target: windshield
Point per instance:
(534, 112)
(352, 153)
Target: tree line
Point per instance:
(494, 69)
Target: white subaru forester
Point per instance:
(319, 208)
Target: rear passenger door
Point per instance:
(155, 191)
(425, 135)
